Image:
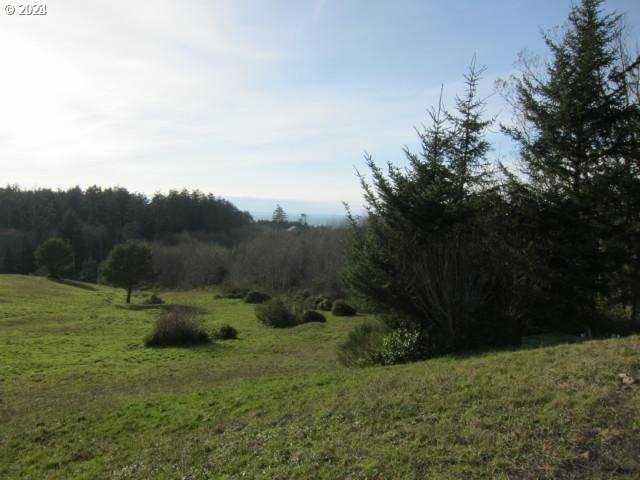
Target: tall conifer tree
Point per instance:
(571, 113)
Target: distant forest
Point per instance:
(95, 219)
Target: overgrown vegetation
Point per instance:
(279, 260)
(363, 345)
(310, 316)
(226, 332)
(323, 303)
(275, 313)
(177, 327)
(341, 308)
(255, 296)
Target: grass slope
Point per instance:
(80, 397)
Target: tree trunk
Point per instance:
(129, 295)
(635, 307)
(635, 298)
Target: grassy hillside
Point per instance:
(80, 397)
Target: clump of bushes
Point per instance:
(154, 300)
(310, 316)
(323, 303)
(256, 297)
(342, 309)
(177, 327)
(375, 343)
(233, 292)
(274, 313)
(363, 345)
(226, 332)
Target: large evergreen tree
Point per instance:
(427, 255)
(571, 115)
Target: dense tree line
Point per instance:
(465, 253)
(95, 219)
(270, 258)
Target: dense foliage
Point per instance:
(95, 219)
(255, 296)
(310, 316)
(55, 255)
(464, 258)
(275, 313)
(577, 125)
(430, 251)
(280, 260)
(341, 308)
(363, 345)
(226, 332)
(128, 265)
(177, 328)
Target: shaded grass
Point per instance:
(80, 397)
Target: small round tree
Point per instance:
(128, 265)
(54, 254)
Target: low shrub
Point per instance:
(322, 303)
(256, 297)
(325, 305)
(342, 309)
(226, 332)
(363, 345)
(154, 300)
(235, 292)
(312, 316)
(274, 313)
(401, 346)
(177, 327)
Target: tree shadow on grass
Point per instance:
(164, 307)
(533, 342)
(73, 283)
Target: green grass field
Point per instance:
(80, 397)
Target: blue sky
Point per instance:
(258, 101)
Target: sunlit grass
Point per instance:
(81, 397)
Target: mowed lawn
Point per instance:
(81, 397)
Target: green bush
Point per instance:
(256, 297)
(363, 345)
(226, 332)
(154, 300)
(322, 303)
(325, 305)
(177, 327)
(342, 309)
(401, 346)
(234, 292)
(312, 316)
(276, 314)
(54, 254)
